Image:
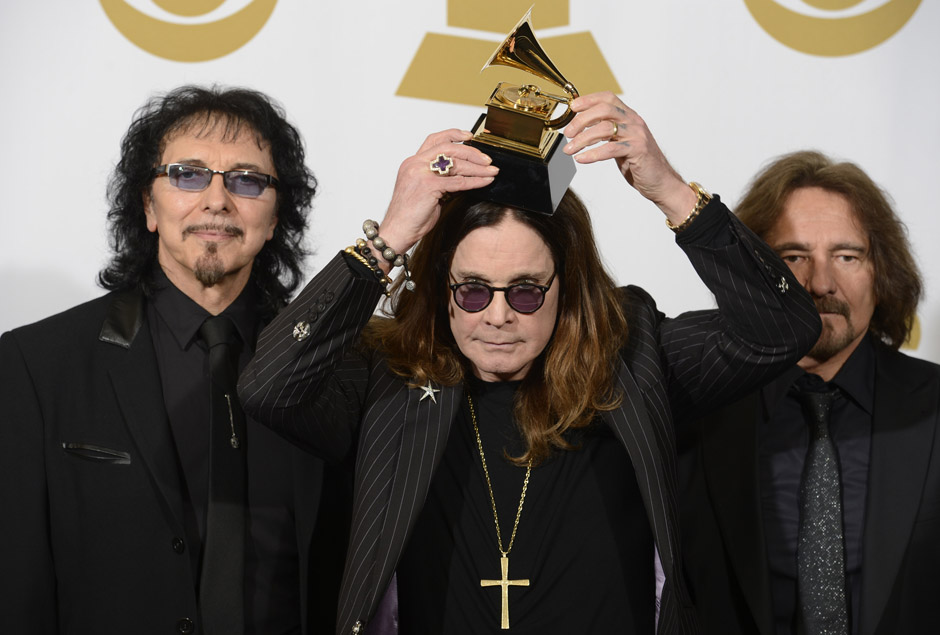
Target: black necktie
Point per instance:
(821, 548)
(221, 585)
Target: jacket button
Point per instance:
(178, 545)
(357, 628)
(185, 626)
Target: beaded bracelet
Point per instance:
(371, 230)
(379, 274)
(370, 261)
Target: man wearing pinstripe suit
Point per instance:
(516, 386)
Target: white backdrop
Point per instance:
(721, 95)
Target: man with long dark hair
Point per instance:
(811, 506)
(511, 418)
(136, 497)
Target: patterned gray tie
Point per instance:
(821, 548)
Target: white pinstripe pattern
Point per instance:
(328, 396)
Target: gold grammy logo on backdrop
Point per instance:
(188, 42)
(912, 342)
(447, 67)
(835, 36)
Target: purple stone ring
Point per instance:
(442, 164)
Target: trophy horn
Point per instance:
(521, 50)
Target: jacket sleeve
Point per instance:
(764, 323)
(308, 378)
(27, 582)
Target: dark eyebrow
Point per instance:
(199, 163)
(850, 247)
(791, 247)
(471, 275)
(251, 167)
(794, 246)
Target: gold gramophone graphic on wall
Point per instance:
(520, 131)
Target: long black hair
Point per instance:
(277, 269)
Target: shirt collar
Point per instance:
(183, 316)
(856, 379)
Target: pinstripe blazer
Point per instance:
(311, 383)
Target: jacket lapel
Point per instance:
(139, 393)
(404, 437)
(730, 464)
(424, 434)
(632, 425)
(902, 437)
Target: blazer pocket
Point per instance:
(97, 453)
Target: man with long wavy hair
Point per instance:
(114, 489)
(748, 496)
(510, 416)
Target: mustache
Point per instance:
(832, 305)
(231, 230)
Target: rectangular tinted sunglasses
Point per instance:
(194, 178)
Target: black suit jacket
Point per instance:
(92, 535)
(723, 535)
(327, 395)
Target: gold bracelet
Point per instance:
(379, 274)
(703, 199)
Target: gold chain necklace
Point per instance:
(504, 583)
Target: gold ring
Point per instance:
(616, 130)
(442, 164)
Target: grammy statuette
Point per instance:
(519, 130)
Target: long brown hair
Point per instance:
(573, 377)
(897, 280)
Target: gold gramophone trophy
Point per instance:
(518, 130)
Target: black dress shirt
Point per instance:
(272, 590)
(784, 440)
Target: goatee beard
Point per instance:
(209, 269)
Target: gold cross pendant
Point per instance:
(505, 583)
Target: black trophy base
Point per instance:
(526, 182)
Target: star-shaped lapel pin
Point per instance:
(429, 391)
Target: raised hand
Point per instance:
(606, 128)
(416, 199)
